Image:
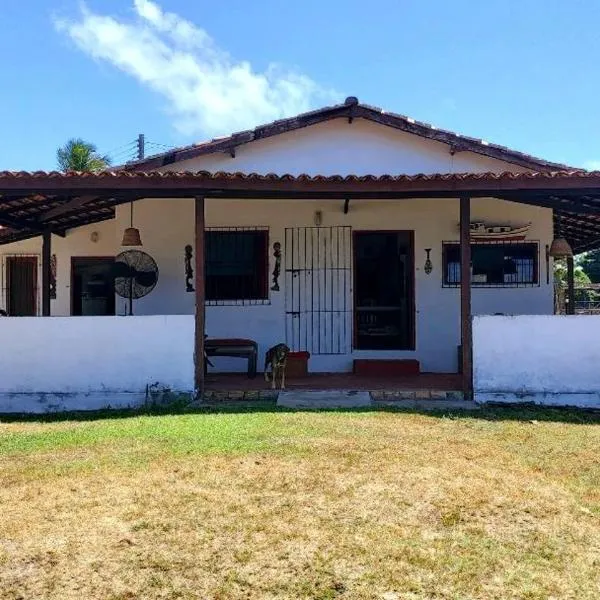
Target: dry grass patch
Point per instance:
(301, 505)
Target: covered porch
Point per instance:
(47, 204)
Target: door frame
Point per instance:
(412, 305)
(91, 259)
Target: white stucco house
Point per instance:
(346, 277)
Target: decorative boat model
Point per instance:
(482, 232)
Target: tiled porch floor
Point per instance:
(336, 381)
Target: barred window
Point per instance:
(237, 264)
(494, 264)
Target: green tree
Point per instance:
(580, 278)
(590, 261)
(79, 155)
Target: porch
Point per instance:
(51, 203)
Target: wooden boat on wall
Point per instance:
(498, 233)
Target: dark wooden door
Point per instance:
(21, 286)
(384, 290)
(92, 286)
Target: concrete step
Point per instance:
(320, 399)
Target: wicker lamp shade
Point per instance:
(560, 248)
(131, 237)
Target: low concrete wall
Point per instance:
(86, 363)
(546, 359)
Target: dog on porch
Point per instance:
(276, 358)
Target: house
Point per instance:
(337, 231)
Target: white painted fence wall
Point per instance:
(85, 363)
(546, 359)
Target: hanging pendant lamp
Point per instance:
(131, 235)
(560, 248)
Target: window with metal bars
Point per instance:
(496, 264)
(237, 265)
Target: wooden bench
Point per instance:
(237, 348)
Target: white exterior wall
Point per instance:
(90, 362)
(340, 148)
(168, 225)
(546, 359)
(334, 147)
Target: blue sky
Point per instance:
(523, 73)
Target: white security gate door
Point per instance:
(318, 289)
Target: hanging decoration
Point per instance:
(560, 248)
(277, 268)
(53, 277)
(482, 232)
(131, 235)
(428, 265)
(189, 271)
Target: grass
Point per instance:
(270, 504)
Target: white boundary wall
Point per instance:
(86, 363)
(546, 359)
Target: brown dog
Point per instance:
(277, 358)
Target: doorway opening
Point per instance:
(21, 286)
(384, 311)
(92, 287)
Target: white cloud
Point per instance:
(206, 90)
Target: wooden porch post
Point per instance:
(570, 286)
(200, 299)
(465, 297)
(46, 271)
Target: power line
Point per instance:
(122, 147)
(136, 149)
(160, 145)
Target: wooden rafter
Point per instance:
(69, 206)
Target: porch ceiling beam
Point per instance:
(585, 203)
(593, 244)
(548, 202)
(67, 207)
(579, 227)
(569, 217)
(61, 230)
(20, 224)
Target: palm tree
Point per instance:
(79, 155)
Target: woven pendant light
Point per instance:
(131, 235)
(560, 248)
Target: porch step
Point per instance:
(380, 367)
(323, 399)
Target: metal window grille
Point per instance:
(318, 289)
(20, 286)
(237, 266)
(494, 264)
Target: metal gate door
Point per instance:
(318, 300)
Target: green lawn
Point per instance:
(266, 504)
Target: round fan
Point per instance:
(136, 274)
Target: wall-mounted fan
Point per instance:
(136, 275)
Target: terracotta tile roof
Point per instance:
(350, 109)
(220, 176)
